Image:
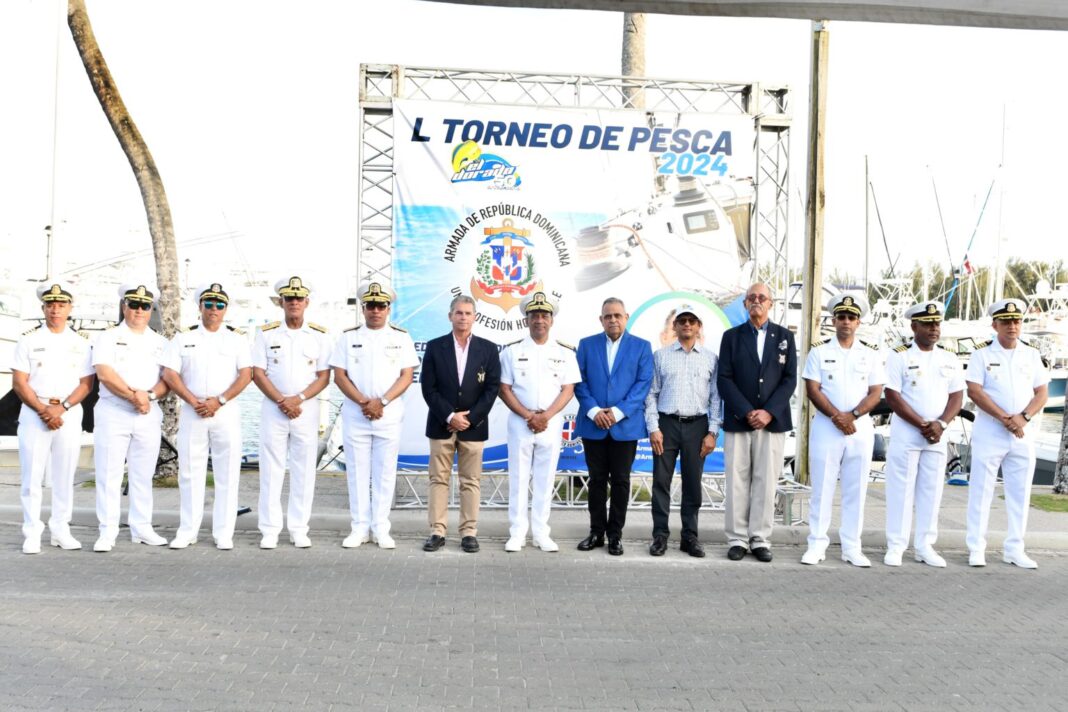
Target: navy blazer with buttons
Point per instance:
(749, 383)
(445, 396)
(625, 388)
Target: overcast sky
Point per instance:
(250, 109)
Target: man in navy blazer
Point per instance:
(460, 377)
(757, 376)
(617, 370)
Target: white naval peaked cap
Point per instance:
(211, 290)
(54, 291)
(849, 303)
(133, 292)
(928, 311)
(1007, 309)
(292, 287)
(375, 292)
(539, 301)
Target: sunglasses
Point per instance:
(293, 299)
(756, 298)
(207, 304)
(846, 317)
(143, 306)
(686, 320)
(375, 306)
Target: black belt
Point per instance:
(684, 418)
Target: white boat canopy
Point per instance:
(1008, 14)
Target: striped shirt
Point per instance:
(684, 384)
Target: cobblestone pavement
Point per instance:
(327, 628)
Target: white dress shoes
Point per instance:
(385, 541)
(354, 539)
(813, 556)
(65, 541)
(181, 541)
(977, 558)
(269, 541)
(104, 544)
(514, 544)
(857, 559)
(546, 544)
(31, 545)
(893, 557)
(150, 537)
(931, 558)
(224, 544)
(1020, 559)
(301, 541)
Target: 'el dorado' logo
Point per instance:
(469, 164)
(504, 272)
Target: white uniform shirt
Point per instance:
(537, 372)
(208, 362)
(291, 357)
(844, 375)
(137, 358)
(1008, 376)
(925, 380)
(373, 358)
(54, 362)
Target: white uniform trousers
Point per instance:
(371, 449)
(1016, 457)
(832, 454)
(531, 457)
(121, 435)
(221, 435)
(56, 451)
(915, 476)
(296, 443)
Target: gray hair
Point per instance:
(613, 300)
(461, 299)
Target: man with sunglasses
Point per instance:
(373, 366)
(207, 366)
(127, 419)
(844, 379)
(682, 414)
(757, 377)
(290, 365)
(51, 373)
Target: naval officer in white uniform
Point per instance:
(207, 366)
(538, 377)
(127, 419)
(843, 379)
(290, 366)
(373, 366)
(925, 389)
(51, 374)
(1008, 382)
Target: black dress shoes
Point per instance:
(469, 544)
(692, 547)
(736, 553)
(659, 545)
(762, 554)
(433, 542)
(593, 541)
(615, 546)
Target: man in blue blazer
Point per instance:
(460, 377)
(757, 376)
(617, 369)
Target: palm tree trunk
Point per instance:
(148, 179)
(1060, 475)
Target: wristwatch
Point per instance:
(942, 423)
(385, 401)
(1025, 416)
(151, 395)
(67, 405)
(857, 413)
(301, 396)
(221, 398)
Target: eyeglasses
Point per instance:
(207, 304)
(683, 320)
(144, 306)
(756, 298)
(375, 306)
(846, 317)
(293, 299)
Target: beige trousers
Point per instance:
(752, 462)
(470, 473)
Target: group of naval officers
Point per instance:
(680, 397)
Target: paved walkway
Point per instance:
(326, 628)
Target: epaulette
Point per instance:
(272, 325)
(83, 333)
(397, 328)
(27, 333)
(903, 348)
(823, 343)
(236, 330)
(873, 347)
(191, 328)
(940, 346)
(354, 328)
(566, 346)
(512, 344)
(317, 327)
(985, 344)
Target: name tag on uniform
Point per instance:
(357, 346)
(276, 346)
(40, 349)
(913, 367)
(188, 346)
